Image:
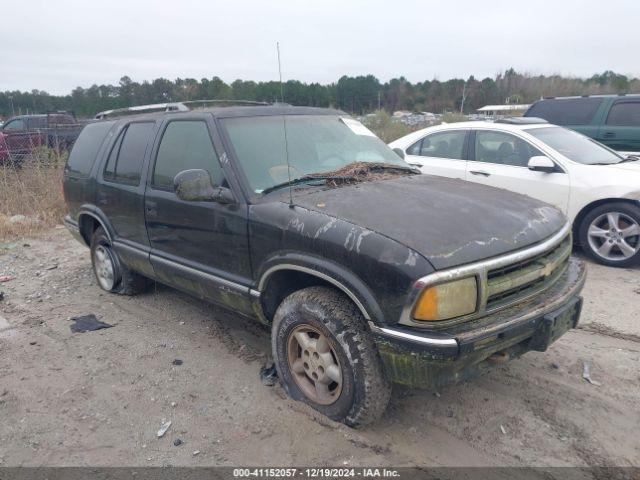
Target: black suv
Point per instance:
(367, 272)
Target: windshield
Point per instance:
(575, 146)
(316, 144)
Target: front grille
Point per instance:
(519, 280)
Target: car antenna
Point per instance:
(284, 125)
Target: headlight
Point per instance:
(447, 300)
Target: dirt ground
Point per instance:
(98, 398)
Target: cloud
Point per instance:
(72, 42)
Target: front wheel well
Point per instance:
(587, 208)
(283, 283)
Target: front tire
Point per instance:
(112, 275)
(610, 234)
(326, 357)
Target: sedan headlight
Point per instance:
(447, 300)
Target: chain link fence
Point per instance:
(26, 137)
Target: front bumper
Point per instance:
(426, 359)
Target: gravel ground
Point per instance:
(99, 398)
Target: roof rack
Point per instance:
(172, 107)
(521, 120)
(595, 95)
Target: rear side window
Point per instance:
(84, 151)
(625, 114)
(185, 145)
(443, 145)
(567, 111)
(415, 148)
(126, 157)
(37, 122)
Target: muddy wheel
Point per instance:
(110, 273)
(326, 357)
(610, 234)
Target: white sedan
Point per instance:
(597, 188)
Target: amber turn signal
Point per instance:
(447, 300)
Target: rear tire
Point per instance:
(112, 275)
(610, 234)
(326, 357)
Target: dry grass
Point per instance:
(32, 189)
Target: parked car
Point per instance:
(366, 271)
(24, 133)
(598, 189)
(613, 120)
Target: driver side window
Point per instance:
(185, 145)
(503, 149)
(17, 124)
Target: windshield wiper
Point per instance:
(630, 158)
(292, 182)
(391, 166)
(338, 176)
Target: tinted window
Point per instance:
(503, 148)
(85, 149)
(110, 167)
(443, 145)
(17, 124)
(185, 145)
(575, 146)
(125, 161)
(568, 111)
(625, 114)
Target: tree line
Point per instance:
(358, 95)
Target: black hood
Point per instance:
(450, 222)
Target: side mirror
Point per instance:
(541, 163)
(399, 152)
(196, 186)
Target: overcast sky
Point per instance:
(58, 45)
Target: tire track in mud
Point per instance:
(601, 329)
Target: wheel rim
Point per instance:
(314, 364)
(103, 265)
(614, 236)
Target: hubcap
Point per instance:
(614, 236)
(103, 265)
(314, 364)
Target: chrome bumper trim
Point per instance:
(390, 332)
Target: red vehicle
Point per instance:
(20, 135)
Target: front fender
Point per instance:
(369, 267)
(328, 271)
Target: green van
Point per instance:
(613, 120)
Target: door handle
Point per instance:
(480, 172)
(608, 134)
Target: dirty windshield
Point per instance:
(315, 144)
